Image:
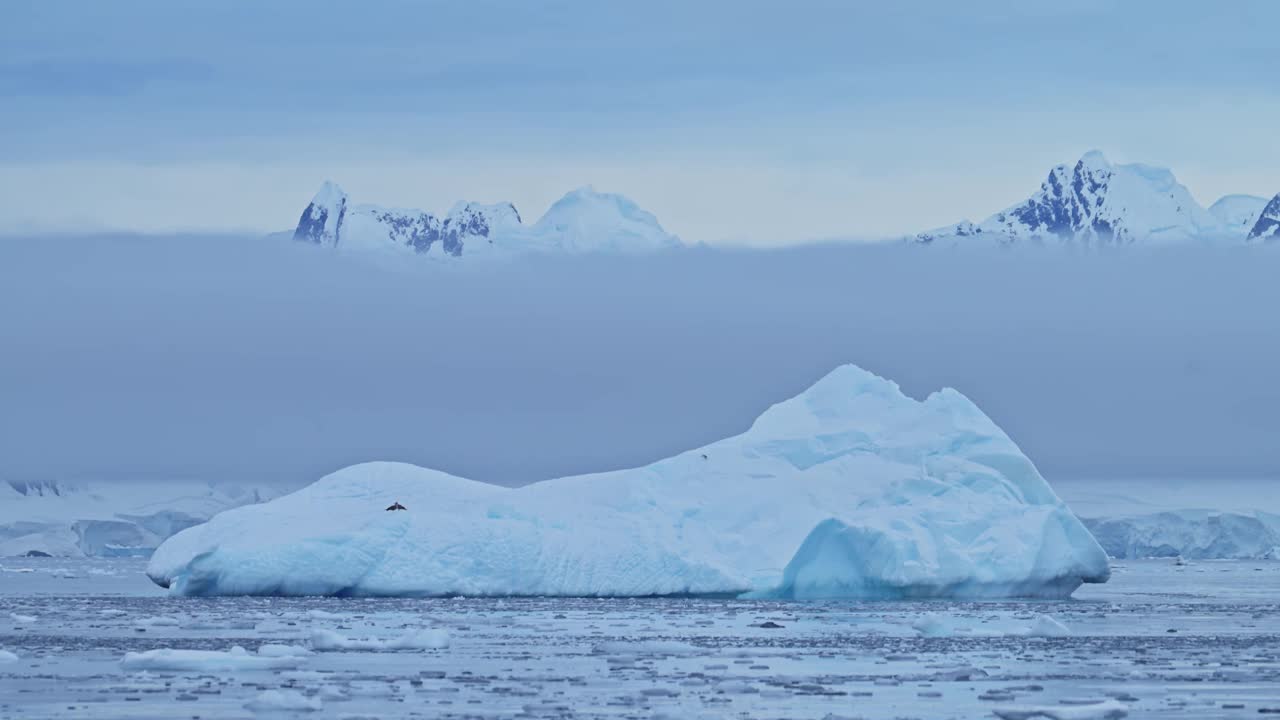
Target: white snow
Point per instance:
(933, 625)
(109, 518)
(415, 640)
(1238, 212)
(324, 615)
(850, 489)
(1046, 626)
(237, 658)
(1101, 710)
(284, 701)
(159, 621)
(1094, 202)
(1267, 228)
(322, 218)
(584, 220)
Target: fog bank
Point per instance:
(244, 358)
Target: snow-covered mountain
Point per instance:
(1267, 227)
(1095, 203)
(584, 220)
(109, 519)
(1238, 213)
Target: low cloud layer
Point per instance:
(235, 358)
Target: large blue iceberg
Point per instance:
(850, 490)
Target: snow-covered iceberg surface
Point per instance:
(850, 489)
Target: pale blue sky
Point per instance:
(732, 121)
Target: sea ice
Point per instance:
(851, 489)
(159, 621)
(1102, 710)
(283, 701)
(418, 640)
(276, 650)
(324, 615)
(1046, 626)
(937, 625)
(237, 658)
(647, 647)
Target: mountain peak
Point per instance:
(1094, 202)
(587, 194)
(497, 213)
(583, 219)
(323, 216)
(1093, 160)
(1267, 228)
(1238, 212)
(329, 193)
(586, 219)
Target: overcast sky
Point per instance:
(733, 121)
(271, 361)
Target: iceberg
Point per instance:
(851, 489)
(1191, 534)
(119, 518)
(273, 701)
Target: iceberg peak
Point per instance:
(834, 401)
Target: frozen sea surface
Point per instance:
(1160, 640)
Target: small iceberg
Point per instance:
(271, 701)
(237, 658)
(1101, 710)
